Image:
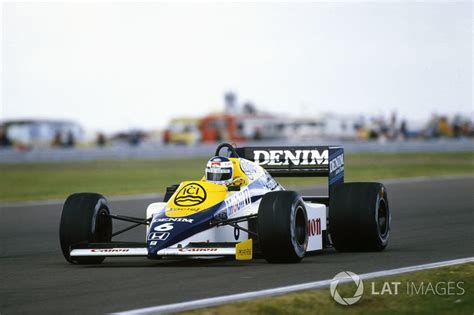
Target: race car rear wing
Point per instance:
(299, 161)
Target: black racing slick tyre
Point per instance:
(359, 217)
(282, 227)
(84, 220)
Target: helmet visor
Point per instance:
(218, 174)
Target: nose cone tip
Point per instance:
(157, 241)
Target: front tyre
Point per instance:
(282, 227)
(359, 217)
(84, 220)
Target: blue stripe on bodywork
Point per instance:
(333, 178)
(183, 230)
(201, 220)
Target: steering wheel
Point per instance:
(229, 147)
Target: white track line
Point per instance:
(393, 181)
(60, 202)
(185, 306)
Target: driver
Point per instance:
(219, 170)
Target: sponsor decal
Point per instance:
(337, 164)
(238, 201)
(244, 250)
(201, 250)
(217, 170)
(153, 243)
(248, 168)
(159, 236)
(180, 209)
(164, 227)
(110, 250)
(270, 183)
(314, 227)
(190, 195)
(186, 220)
(291, 157)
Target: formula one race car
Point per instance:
(239, 209)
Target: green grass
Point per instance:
(20, 182)
(321, 302)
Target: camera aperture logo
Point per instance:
(346, 276)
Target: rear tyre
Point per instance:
(84, 220)
(359, 217)
(282, 227)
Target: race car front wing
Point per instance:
(241, 251)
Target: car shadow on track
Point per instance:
(186, 263)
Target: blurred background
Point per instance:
(144, 80)
(125, 98)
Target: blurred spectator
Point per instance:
(134, 138)
(467, 129)
(70, 140)
(57, 141)
(403, 129)
(392, 127)
(167, 136)
(457, 126)
(444, 129)
(101, 141)
(249, 109)
(63, 140)
(258, 134)
(4, 140)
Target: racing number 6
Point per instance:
(164, 227)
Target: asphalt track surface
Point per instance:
(432, 220)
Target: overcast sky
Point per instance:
(116, 66)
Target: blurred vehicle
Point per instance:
(344, 127)
(219, 127)
(239, 127)
(133, 137)
(42, 132)
(328, 126)
(259, 127)
(302, 128)
(182, 131)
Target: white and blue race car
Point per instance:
(253, 215)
